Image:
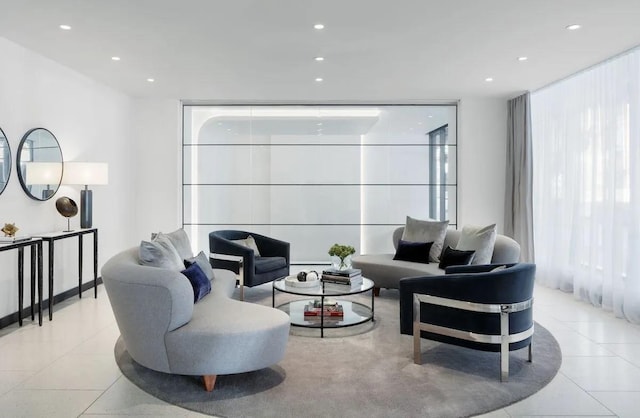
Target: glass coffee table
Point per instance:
(354, 313)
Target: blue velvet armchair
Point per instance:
(272, 263)
(471, 306)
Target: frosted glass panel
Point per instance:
(226, 164)
(313, 164)
(317, 175)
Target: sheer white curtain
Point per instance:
(586, 187)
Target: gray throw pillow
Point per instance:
(180, 241)
(417, 230)
(479, 239)
(203, 262)
(160, 253)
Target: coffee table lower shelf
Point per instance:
(355, 313)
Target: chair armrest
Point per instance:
(474, 268)
(223, 246)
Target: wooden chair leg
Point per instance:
(209, 381)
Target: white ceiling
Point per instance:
(375, 50)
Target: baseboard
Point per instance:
(26, 312)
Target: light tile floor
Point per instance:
(66, 367)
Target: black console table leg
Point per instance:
(51, 281)
(80, 266)
(20, 283)
(95, 264)
(33, 280)
(40, 283)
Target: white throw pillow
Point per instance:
(160, 253)
(249, 242)
(479, 239)
(417, 230)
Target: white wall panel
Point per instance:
(315, 164)
(315, 204)
(226, 164)
(227, 204)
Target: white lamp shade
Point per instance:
(43, 173)
(85, 173)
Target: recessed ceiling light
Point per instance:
(151, 80)
(115, 58)
(573, 27)
(319, 58)
(522, 58)
(319, 80)
(318, 26)
(65, 27)
(488, 79)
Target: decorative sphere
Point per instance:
(302, 276)
(66, 207)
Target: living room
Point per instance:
(106, 110)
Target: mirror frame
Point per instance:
(23, 182)
(6, 161)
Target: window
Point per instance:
(317, 175)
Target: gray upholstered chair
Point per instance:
(474, 306)
(227, 253)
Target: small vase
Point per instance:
(341, 263)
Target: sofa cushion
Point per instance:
(413, 251)
(417, 230)
(199, 281)
(160, 253)
(451, 257)
(180, 241)
(203, 261)
(267, 264)
(479, 239)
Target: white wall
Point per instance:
(92, 123)
(158, 150)
(481, 161)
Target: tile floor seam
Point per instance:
(101, 395)
(587, 392)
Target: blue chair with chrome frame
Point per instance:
(479, 306)
(256, 258)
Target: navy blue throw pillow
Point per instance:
(451, 257)
(201, 285)
(417, 252)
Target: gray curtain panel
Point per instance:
(519, 185)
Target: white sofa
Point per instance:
(164, 330)
(387, 272)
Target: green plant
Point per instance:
(342, 252)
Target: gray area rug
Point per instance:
(363, 371)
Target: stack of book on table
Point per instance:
(330, 310)
(341, 279)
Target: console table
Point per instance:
(35, 245)
(51, 238)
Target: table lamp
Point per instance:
(85, 174)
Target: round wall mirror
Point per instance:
(5, 161)
(39, 163)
